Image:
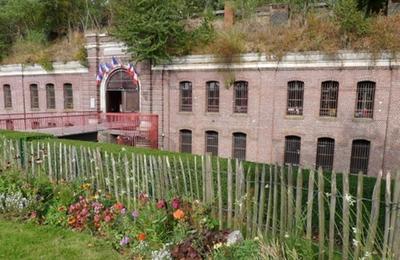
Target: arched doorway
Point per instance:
(122, 93)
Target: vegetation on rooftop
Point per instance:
(157, 30)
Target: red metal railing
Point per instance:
(42, 122)
(134, 128)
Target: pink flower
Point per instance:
(135, 214)
(161, 204)
(176, 203)
(143, 198)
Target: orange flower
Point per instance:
(179, 214)
(71, 220)
(141, 237)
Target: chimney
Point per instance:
(229, 15)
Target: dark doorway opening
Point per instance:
(114, 101)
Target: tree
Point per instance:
(152, 29)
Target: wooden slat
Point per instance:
(262, 202)
(346, 215)
(321, 215)
(230, 195)
(299, 197)
(359, 215)
(310, 199)
(332, 211)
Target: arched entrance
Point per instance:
(121, 93)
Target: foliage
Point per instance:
(351, 21)
(153, 29)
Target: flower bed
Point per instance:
(173, 228)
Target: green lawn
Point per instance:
(30, 241)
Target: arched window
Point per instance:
(365, 100)
(212, 142)
(185, 141)
(239, 146)
(68, 96)
(295, 98)
(241, 95)
(34, 92)
(325, 153)
(329, 98)
(212, 91)
(185, 100)
(7, 96)
(292, 150)
(360, 156)
(50, 96)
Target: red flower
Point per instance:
(176, 203)
(118, 206)
(141, 237)
(161, 204)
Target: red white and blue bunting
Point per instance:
(105, 68)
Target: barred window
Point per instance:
(240, 97)
(185, 141)
(292, 150)
(325, 153)
(50, 96)
(365, 100)
(212, 96)
(329, 98)
(360, 156)
(212, 142)
(7, 96)
(295, 98)
(239, 146)
(68, 96)
(185, 89)
(34, 91)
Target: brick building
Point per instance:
(338, 112)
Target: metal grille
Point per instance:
(185, 141)
(212, 96)
(212, 142)
(240, 97)
(50, 96)
(121, 80)
(7, 96)
(365, 100)
(325, 153)
(292, 150)
(360, 156)
(34, 96)
(329, 98)
(185, 96)
(68, 96)
(239, 146)
(295, 98)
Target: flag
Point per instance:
(100, 74)
(132, 72)
(98, 79)
(114, 62)
(106, 68)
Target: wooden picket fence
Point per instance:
(260, 200)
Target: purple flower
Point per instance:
(135, 214)
(124, 241)
(123, 211)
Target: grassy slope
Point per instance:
(30, 241)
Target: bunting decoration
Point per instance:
(105, 68)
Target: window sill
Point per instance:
(8, 109)
(294, 117)
(240, 114)
(69, 110)
(35, 109)
(363, 120)
(328, 118)
(185, 112)
(212, 113)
